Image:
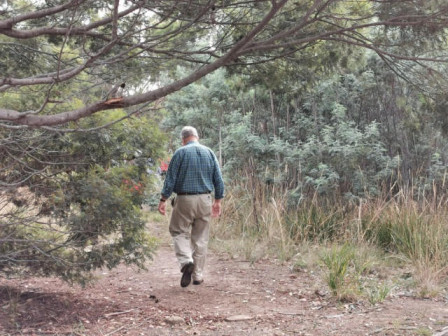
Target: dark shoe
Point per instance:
(187, 271)
(198, 282)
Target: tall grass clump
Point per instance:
(338, 260)
(347, 269)
(417, 232)
(315, 222)
(254, 217)
(423, 239)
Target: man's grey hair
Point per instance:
(189, 131)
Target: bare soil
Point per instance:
(266, 298)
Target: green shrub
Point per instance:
(338, 261)
(76, 201)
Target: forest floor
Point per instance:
(237, 298)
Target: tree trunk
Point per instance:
(271, 95)
(220, 142)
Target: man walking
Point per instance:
(192, 174)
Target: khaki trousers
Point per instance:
(189, 228)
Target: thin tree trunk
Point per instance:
(272, 112)
(277, 155)
(253, 189)
(220, 142)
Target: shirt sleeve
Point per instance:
(171, 175)
(218, 182)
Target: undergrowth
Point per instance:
(355, 241)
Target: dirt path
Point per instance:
(274, 300)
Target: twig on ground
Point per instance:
(114, 331)
(119, 313)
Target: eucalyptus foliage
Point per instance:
(346, 134)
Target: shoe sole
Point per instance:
(187, 271)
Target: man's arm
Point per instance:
(170, 182)
(218, 182)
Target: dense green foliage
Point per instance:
(78, 207)
(347, 135)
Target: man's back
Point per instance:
(194, 169)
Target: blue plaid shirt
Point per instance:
(193, 169)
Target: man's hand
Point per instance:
(216, 208)
(162, 207)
